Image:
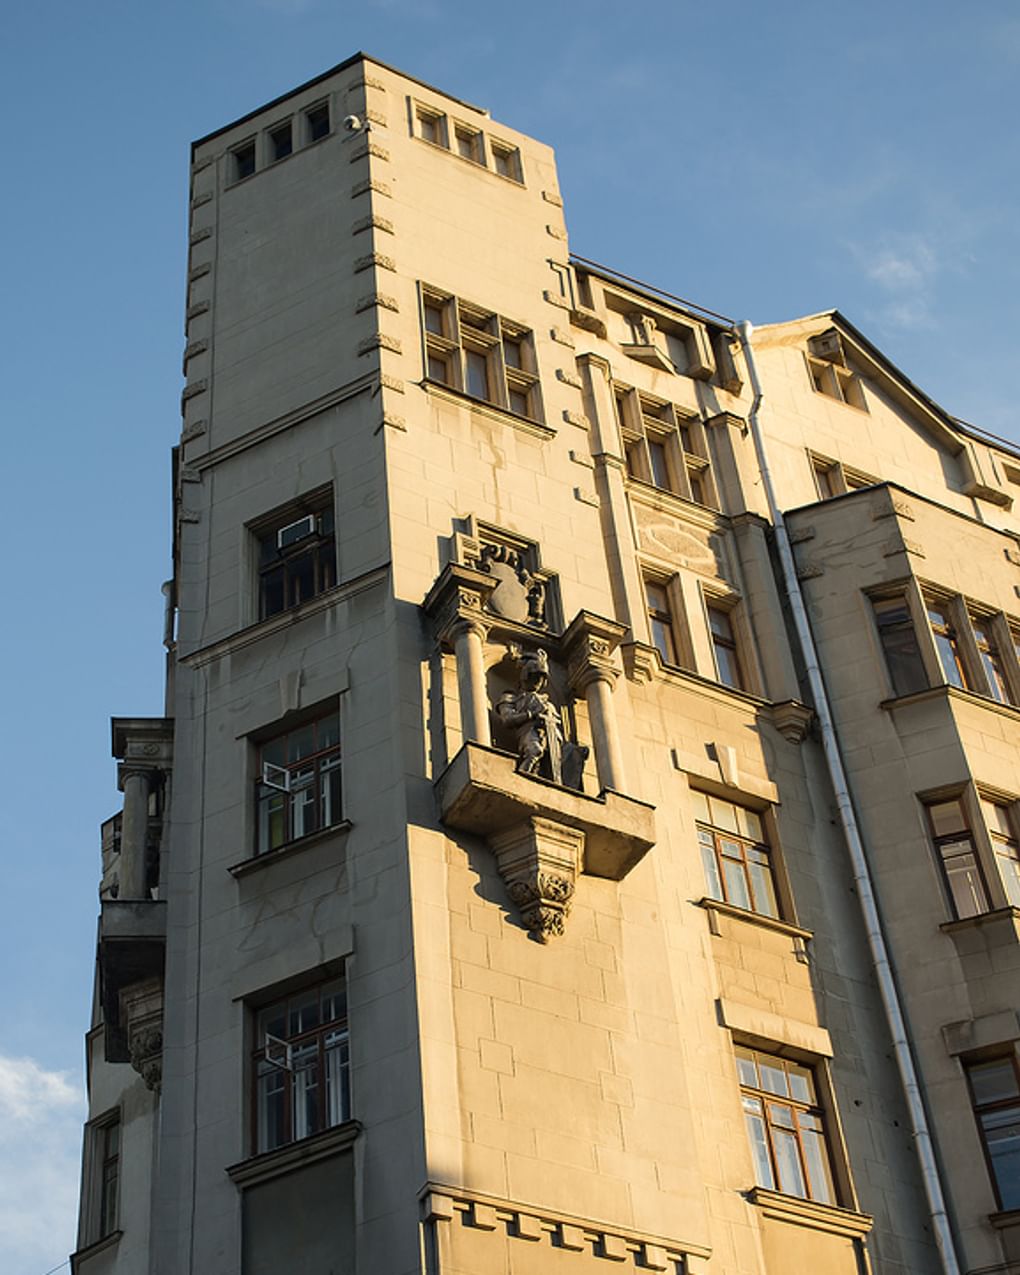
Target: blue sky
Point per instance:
(765, 160)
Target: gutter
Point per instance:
(851, 831)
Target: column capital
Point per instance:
(596, 361)
(588, 645)
(134, 770)
(456, 602)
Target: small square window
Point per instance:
(507, 161)
(243, 160)
(317, 121)
(431, 126)
(468, 143)
(281, 142)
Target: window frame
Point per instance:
(422, 115)
(100, 1216)
(965, 836)
(248, 148)
(711, 835)
(843, 384)
(817, 1108)
(308, 123)
(1004, 848)
(471, 336)
(904, 595)
(1007, 1104)
(644, 422)
(273, 133)
(320, 545)
(277, 1052)
(326, 783)
(734, 641)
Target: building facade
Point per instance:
(583, 831)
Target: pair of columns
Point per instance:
(457, 602)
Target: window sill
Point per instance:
(672, 502)
(643, 663)
(810, 1213)
(944, 691)
(93, 1250)
(1005, 1220)
(295, 1155)
(537, 429)
(753, 918)
(257, 861)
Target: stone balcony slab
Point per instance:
(132, 944)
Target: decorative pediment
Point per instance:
(524, 593)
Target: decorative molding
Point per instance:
(366, 82)
(581, 458)
(374, 299)
(387, 382)
(195, 430)
(192, 350)
(373, 222)
(640, 662)
(194, 389)
(394, 422)
(587, 497)
(588, 646)
(538, 860)
(557, 232)
(189, 515)
(792, 719)
(553, 299)
(457, 601)
(187, 474)
(576, 418)
(456, 1207)
(200, 235)
(200, 307)
(551, 197)
(379, 341)
(1013, 555)
(375, 117)
(569, 378)
(596, 361)
(206, 197)
(809, 570)
(295, 1155)
(562, 337)
(798, 535)
(370, 148)
(197, 271)
(810, 1213)
(588, 320)
(371, 185)
(377, 259)
(141, 1014)
(200, 165)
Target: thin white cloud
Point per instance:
(904, 269)
(41, 1116)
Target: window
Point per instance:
(298, 785)
(991, 660)
(243, 160)
(946, 642)
(724, 646)
(281, 142)
(995, 1094)
(954, 844)
(1002, 830)
(110, 1177)
(301, 1065)
(785, 1126)
(899, 644)
(100, 1179)
(468, 143)
(487, 357)
(660, 621)
(835, 382)
(506, 160)
(430, 126)
(664, 447)
(317, 121)
(296, 558)
(833, 478)
(736, 857)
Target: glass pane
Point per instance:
(329, 731)
(993, 1081)
(746, 1069)
(719, 622)
(947, 655)
(997, 817)
(272, 1019)
(1008, 859)
(434, 319)
(773, 1077)
(816, 1159)
(729, 669)
(519, 403)
(331, 806)
(334, 1001)
(780, 1116)
(731, 849)
(271, 1103)
(304, 1013)
(802, 1086)
(1002, 1137)
(662, 637)
(788, 1166)
(272, 820)
(477, 375)
(306, 1090)
(724, 815)
(700, 802)
(512, 352)
(759, 1150)
(966, 886)
(273, 592)
(736, 885)
(657, 460)
(749, 824)
(337, 1105)
(438, 369)
(947, 817)
(713, 883)
(763, 890)
(301, 742)
(302, 804)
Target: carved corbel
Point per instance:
(538, 860)
(792, 719)
(141, 1012)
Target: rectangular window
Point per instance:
(301, 1066)
(954, 844)
(281, 142)
(468, 143)
(296, 558)
(735, 855)
(785, 1126)
(664, 447)
(317, 121)
(899, 644)
(995, 1094)
(1002, 830)
(837, 383)
(243, 160)
(724, 646)
(431, 126)
(100, 1179)
(946, 643)
(832, 478)
(110, 1171)
(506, 160)
(487, 357)
(660, 621)
(991, 659)
(298, 788)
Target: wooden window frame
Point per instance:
(714, 840)
(318, 550)
(964, 837)
(274, 793)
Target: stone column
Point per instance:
(134, 782)
(456, 605)
(589, 644)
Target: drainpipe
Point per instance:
(855, 845)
